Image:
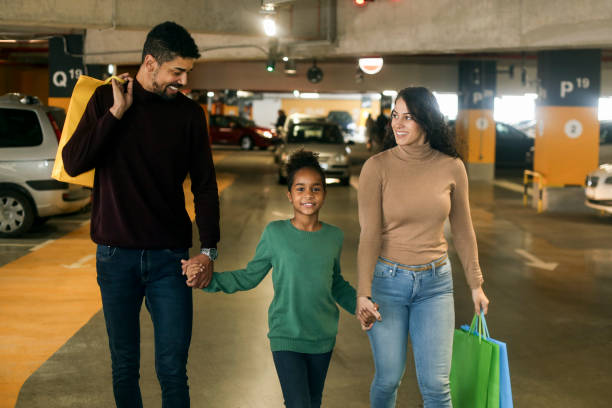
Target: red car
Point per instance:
(233, 130)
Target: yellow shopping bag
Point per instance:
(82, 93)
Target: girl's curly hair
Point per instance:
(301, 159)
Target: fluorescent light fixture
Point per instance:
(244, 94)
(210, 94)
(389, 92)
(371, 65)
(290, 68)
(269, 26)
(296, 93)
(309, 95)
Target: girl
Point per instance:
(406, 193)
(305, 256)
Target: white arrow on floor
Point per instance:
(535, 262)
(80, 263)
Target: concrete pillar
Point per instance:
(65, 67)
(567, 128)
(475, 126)
(230, 102)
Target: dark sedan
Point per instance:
(511, 145)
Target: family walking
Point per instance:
(144, 139)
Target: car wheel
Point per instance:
(40, 221)
(246, 143)
(16, 213)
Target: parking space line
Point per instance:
(46, 296)
(41, 245)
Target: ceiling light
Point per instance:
(371, 65)
(269, 26)
(290, 68)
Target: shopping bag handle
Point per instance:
(482, 326)
(120, 80)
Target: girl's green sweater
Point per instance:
(303, 316)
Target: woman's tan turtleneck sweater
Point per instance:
(405, 195)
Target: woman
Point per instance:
(406, 193)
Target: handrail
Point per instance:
(533, 174)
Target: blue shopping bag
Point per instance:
(505, 388)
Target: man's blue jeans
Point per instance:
(126, 276)
(419, 304)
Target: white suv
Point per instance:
(29, 134)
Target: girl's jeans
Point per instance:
(414, 300)
(302, 377)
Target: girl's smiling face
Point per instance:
(307, 192)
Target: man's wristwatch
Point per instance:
(210, 252)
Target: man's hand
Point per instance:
(202, 278)
(122, 100)
(367, 312)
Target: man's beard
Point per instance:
(162, 92)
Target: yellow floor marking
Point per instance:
(46, 296)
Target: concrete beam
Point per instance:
(338, 77)
(383, 27)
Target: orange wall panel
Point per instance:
(566, 144)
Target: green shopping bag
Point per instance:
(474, 377)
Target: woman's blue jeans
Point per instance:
(125, 277)
(419, 304)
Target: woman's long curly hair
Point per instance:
(424, 109)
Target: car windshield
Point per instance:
(315, 133)
(245, 122)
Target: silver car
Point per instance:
(598, 189)
(29, 134)
(324, 138)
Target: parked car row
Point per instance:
(29, 135)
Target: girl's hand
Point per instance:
(193, 269)
(481, 302)
(366, 312)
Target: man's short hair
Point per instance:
(169, 40)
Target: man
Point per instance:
(143, 139)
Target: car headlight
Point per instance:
(340, 158)
(265, 133)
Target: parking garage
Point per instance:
(526, 86)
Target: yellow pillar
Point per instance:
(567, 128)
(475, 126)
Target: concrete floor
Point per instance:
(557, 323)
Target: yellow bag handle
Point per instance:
(120, 80)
